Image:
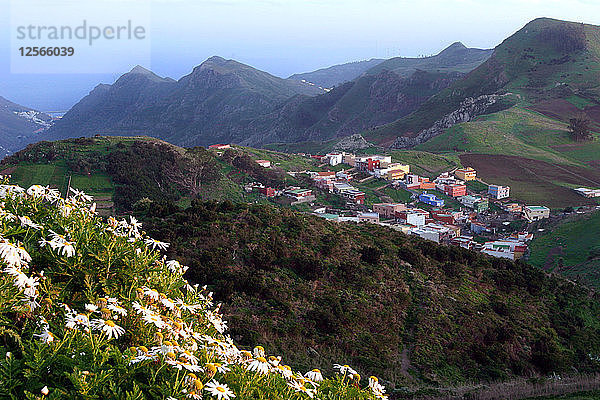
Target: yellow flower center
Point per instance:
(262, 359)
(143, 349)
(110, 323)
(221, 389)
(198, 385)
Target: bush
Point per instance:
(90, 308)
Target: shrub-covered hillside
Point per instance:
(91, 309)
(121, 171)
(408, 309)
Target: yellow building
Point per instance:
(466, 174)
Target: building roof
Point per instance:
(537, 208)
(298, 191)
(368, 215)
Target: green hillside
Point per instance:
(546, 61)
(120, 171)
(572, 248)
(544, 163)
(408, 309)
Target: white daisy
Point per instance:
(154, 319)
(28, 223)
(298, 387)
(260, 365)
(314, 375)
(111, 329)
(117, 309)
(12, 254)
(46, 336)
(219, 390)
(156, 243)
(345, 369)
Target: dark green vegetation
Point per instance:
(408, 309)
(17, 130)
(572, 248)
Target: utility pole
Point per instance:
(68, 187)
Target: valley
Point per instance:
(432, 220)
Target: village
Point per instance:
(455, 208)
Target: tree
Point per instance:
(580, 128)
(194, 170)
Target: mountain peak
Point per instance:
(456, 45)
(453, 48)
(216, 60)
(138, 69)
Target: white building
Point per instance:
(335, 158)
(585, 192)
(535, 213)
(499, 192)
(411, 218)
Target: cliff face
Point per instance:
(469, 109)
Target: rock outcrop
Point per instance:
(351, 143)
(469, 109)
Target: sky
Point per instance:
(284, 37)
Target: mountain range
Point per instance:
(226, 101)
(549, 67)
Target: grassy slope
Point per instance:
(573, 242)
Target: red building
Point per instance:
(356, 196)
(368, 164)
(443, 217)
(455, 190)
(267, 191)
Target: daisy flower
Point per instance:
(91, 308)
(285, 371)
(219, 390)
(298, 387)
(81, 195)
(260, 365)
(314, 375)
(28, 223)
(154, 319)
(12, 254)
(117, 309)
(222, 369)
(46, 336)
(156, 243)
(36, 191)
(344, 369)
(151, 293)
(111, 329)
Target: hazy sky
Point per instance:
(288, 36)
